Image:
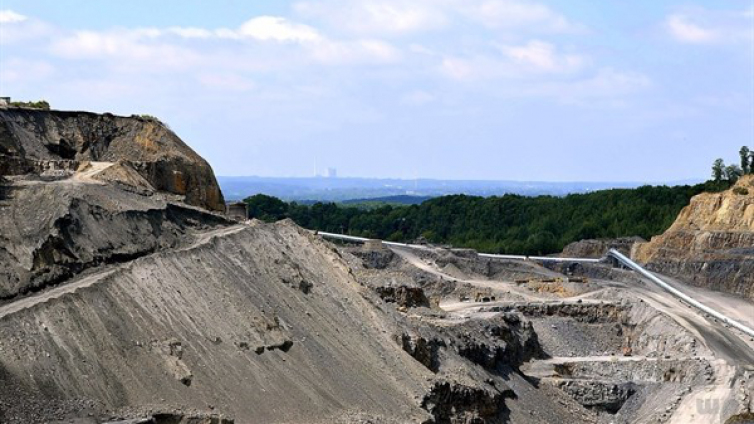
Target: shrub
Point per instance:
(147, 117)
(42, 104)
(741, 191)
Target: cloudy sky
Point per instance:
(556, 90)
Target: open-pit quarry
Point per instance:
(621, 348)
(126, 296)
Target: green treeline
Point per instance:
(507, 224)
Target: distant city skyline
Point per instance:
(514, 90)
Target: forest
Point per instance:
(509, 224)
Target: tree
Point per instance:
(751, 163)
(266, 208)
(718, 170)
(745, 158)
(733, 173)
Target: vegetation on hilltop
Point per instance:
(400, 200)
(732, 172)
(41, 104)
(507, 224)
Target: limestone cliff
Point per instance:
(28, 137)
(711, 243)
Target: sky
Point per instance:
(533, 90)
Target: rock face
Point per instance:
(711, 243)
(29, 137)
(598, 248)
(608, 397)
(408, 297)
(51, 231)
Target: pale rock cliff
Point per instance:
(711, 243)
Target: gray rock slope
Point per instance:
(51, 231)
(265, 324)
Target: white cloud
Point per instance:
(190, 32)
(685, 31)
(534, 60)
(16, 28)
(10, 17)
(265, 28)
(261, 28)
(376, 17)
(541, 56)
(265, 50)
(518, 14)
(355, 52)
(702, 26)
(261, 39)
(127, 50)
(400, 17)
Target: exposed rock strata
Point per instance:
(30, 137)
(711, 243)
(407, 297)
(52, 232)
(604, 396)
(582, 312)
(597, 248)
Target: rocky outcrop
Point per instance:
(427, 352)
(51, 232)
(597, 248)
(604, 396)
(711, 243)
(177, 418)
(504, 341)
(458, 404)
(685, 371)
(582, 312)
(407, 297)
(29, 136)
(375, 259)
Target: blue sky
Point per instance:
(556, 90)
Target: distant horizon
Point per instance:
(338, 189)
(348, 177)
